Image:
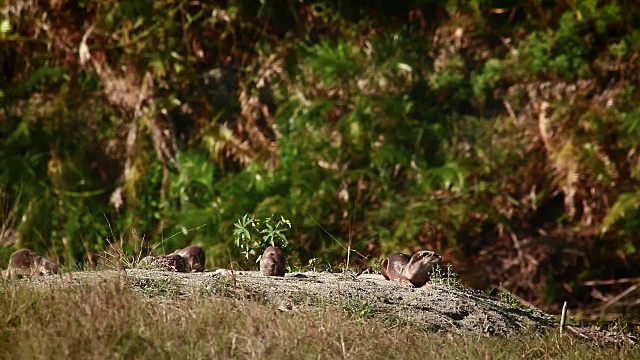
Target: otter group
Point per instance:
(192, 259)
(412, 271)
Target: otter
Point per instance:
(273, 262)
(26, 262)
(414, 271)
(193, 256)
(171, 262)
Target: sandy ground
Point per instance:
(435, 308)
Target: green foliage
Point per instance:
(485, 81)
(629, 123)
(358, 308)
(625, 207)
(335, 63)
(382, 126)
(448, 277)
(507, 298)
(253, 235)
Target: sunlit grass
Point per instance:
(107, 319)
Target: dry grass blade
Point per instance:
(563, 317)
(617, 298)
(115, 257)
(8, 218)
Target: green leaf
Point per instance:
(5, 26)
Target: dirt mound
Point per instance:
(434, 308)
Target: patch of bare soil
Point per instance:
(436, 308)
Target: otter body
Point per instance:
(414, 271)
(171, 262)
(193, 256)
(393, 266)
(28, 262)
(273, 262)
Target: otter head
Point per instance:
(171, 262)
(273, 262)
(194, 257)
(176, 263)
(425, 256)
(46, 266)
(419, 267)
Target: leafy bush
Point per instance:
(253, 235)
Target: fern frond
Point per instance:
(566, 164)
(626, 204)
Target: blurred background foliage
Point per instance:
(502, 134)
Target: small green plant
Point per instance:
(358, 308)
(375, 266)
(507, 298)
(313, 264)
(448, 278)
(252, 235)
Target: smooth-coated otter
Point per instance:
(171, 262)
(414, 271)
(273, 262)
(28, 262)
(193, 256)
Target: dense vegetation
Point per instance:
(502, 134)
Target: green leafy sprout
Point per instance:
(253, 235)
